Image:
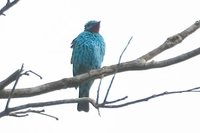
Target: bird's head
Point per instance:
(92, 26)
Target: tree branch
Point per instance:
(25, 113)
(172, 41)
(12, 111)
(8, 6)
(9, 80)
(197, 89)
(174, 60)
(94, 74)
(14, 87)
(105, 99)
(138, 64)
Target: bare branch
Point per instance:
(197, 89)
(138, 64)
(108, 90)
(18, 114)
(12, 111)
(41, 113)
(115, 101)
(94, 74)
(25, 113)
(171, 41)
(9, 80)
(8, 6)
(43, 104)
(98, 91)
(174, 60)
(14, 86)
(120, 58)
(30, 71)
(105, 99)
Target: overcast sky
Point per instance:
(38, 33)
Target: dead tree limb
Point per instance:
(108, 90)
(141, 63)
(171, 41)
(8, 6)
(9, 79)
(138, 64)
(108, 104)
(95, 74)
(197, 89)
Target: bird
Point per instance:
(88, 54)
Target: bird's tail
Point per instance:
(84, 89)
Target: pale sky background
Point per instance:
(38, 33)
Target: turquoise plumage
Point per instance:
(88, 53)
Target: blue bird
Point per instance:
(88, 53)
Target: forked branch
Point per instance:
(109, 104)
(8, 6)
(142, 63)
(137, 64)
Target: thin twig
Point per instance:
(14, 87)
(197, 89)
(30, 71)
(25, 113)
(18, 115)
(41, 113)
(98, 91)
(105, 99)
(124, 50)
(118, 100)
(99, 113)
